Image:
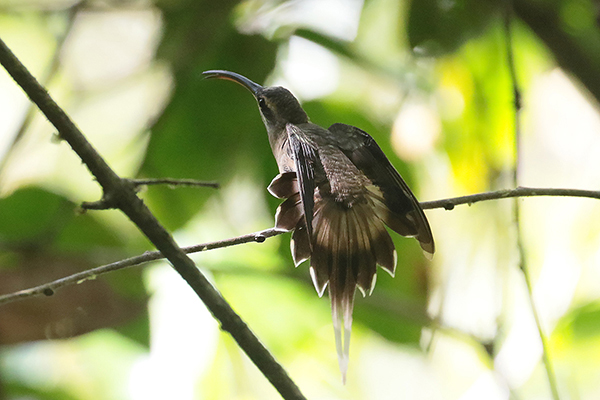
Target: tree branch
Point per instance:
(174, 182)
(48, 289)
(108, 202)
(521, 191)
(122, 194)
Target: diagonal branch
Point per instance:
(122, 194)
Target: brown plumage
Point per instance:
(339, 192)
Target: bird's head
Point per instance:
(276, 104)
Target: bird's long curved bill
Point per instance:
(232, 76)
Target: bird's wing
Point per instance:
(306, 158)
(402, 213)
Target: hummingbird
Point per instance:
(339, 191)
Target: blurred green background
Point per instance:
(428, 79)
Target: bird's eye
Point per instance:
(262, 103)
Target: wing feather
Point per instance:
(305, 157)
(402, 211)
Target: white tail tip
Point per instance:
(342, 339)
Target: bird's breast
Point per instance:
(281, 151)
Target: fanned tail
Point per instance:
(348, 242)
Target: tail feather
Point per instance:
(366, 275)
(289, 213)
(349, 242)
(411, 224)
(320, 264)
(284, 185)
(341, 311)
(342, 281)
(382, 246)
(300, 244)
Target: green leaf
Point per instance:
(211, 130)
(284, 313)
(584, 322)
(64, 243)
(32, 214)
(385, 322)
(128, 284)
(436, 27)
(397, 308)
(85, 233)
(27, 390)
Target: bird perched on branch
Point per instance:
(340, 191)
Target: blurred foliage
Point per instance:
(437, 27)
(447, 56)
(32, 214)
(50, 241)
(205, 118)
(570, 29)
(480, 143)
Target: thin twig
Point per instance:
(48, 289)
(108, 202)
(521, 191)
(123, 195)
(517, 209)
(174, 182)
